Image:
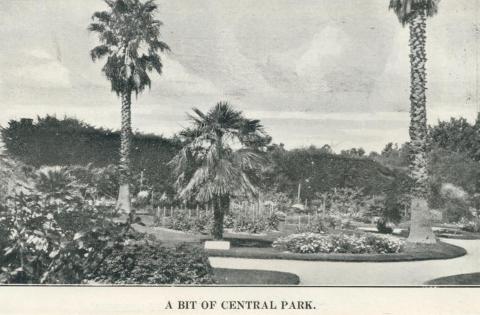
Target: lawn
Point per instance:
(254, 277)
(259, 247)
(462, 279)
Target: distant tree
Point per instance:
(129, 39)
(393, 156)
(457, 135)
(415, 13)
(354, 152)
(326, 149)
(221, 156)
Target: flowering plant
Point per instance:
(339, 243)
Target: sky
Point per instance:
(314, 72)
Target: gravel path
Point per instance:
(360, 274)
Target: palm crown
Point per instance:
(128, 33)
(406, 9)
(221, 148)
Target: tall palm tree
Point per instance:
(129, 39)
(220, 159)
(415, 13)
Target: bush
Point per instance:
(181, 221)
(338, 243)
(316, 225)
(472, 226)
(57, 240)
(145, 263)
(348, 225)
(62, 236)
(383, 228)
(246, 223)
(239, 222)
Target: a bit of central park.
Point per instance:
(221, 202)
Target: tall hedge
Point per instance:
(69, 141)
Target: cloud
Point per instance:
(39, 54)
(339, 116)
(330, 42)
(177, 80)
(40, 69)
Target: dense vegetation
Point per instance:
(58, 227)
(453, 164)
(51, 141)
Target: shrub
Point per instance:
(181, 221)
(383, 228)
(348, 225)
(316, 225)
(145, 263)
(67, 238)
(260, 224)
(470, 226)
(57, 240)
(338, 243)
(239, 222)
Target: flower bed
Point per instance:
(339, 243)
(238, 222)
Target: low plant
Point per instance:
(150, 263)
(255, 225)
(470, 225)
(382, 227)
(181, 221)
(57, 240)
(339, 243)
(316, 225)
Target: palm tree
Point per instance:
(415, 13)
(220, 159)
(129, 39)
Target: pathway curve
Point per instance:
(365, 273)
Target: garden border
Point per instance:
(438, 251)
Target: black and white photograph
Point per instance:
(236, 144)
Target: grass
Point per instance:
(254, 277)
(259, 247)
(412, 253)
(462, 279)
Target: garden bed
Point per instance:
(437, 251)
(254, 277)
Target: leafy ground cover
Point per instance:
(354, 243)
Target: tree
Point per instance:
(221, 157)
(129, 39)
(415, 13)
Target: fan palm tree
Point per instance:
(415, 13)
(129, 39)
(221, 156)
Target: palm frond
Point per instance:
(219, 170)
(406, 9)
(99, 52)
(129, 37)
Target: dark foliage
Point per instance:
(319, 171)
(68, 141)
(153, 264)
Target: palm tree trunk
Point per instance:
(420, 227)
(221, 206)
(218, 216)
(123, 201)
